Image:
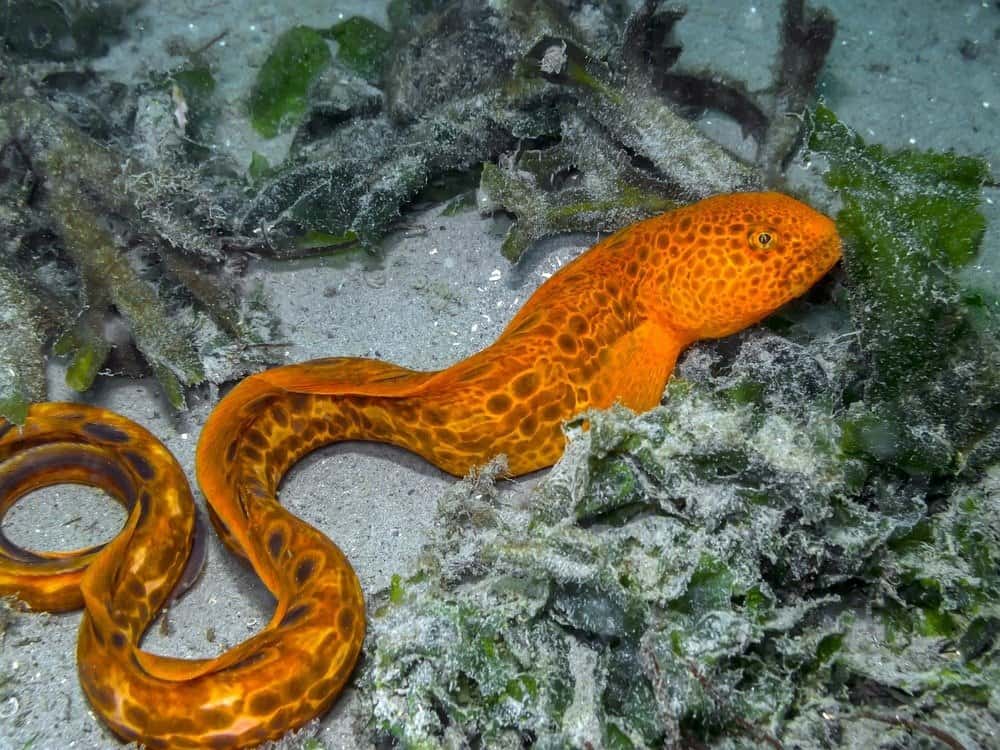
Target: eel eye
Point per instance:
(761, 240)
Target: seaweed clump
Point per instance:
(84, 228)
(67, 30)
(576, 110)
(796, 549)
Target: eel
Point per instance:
(608, 327)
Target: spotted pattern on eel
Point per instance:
(606, 328)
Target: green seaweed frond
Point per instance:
(363, 46)
(911, 222)
(279, 97)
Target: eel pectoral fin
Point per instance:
(635, 368)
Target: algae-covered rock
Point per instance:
(725, 565)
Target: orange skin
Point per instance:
(607, 328)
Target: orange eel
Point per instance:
(606, 328)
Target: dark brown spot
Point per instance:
(142, 467)
(551, 412)
(136, 589)
(322, 690)
(250, 660)
(280, 416)
(118, 640)
(255, 439)
(567, 343)
(498, 403)
(447, 437)
(105, 432)
(278, 455)
(299, 402)
(295, 614)
(251, 454)
(264, 702)
(524, 385)
(102, 696)
(579, 325)
(214, 718)
(345, 620)
(136, 716)
(436, 417)
(276, 543)
(304, 570)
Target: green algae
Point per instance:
(911, 222)
(799, 548)
(363, 46)
(279, 97)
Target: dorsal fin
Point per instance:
(346, 376)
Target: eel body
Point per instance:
(606, 328)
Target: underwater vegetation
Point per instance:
(799, 548)
(62, 29)
(65, 182)
(577, 112)
(109, 253)
(122, 233)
